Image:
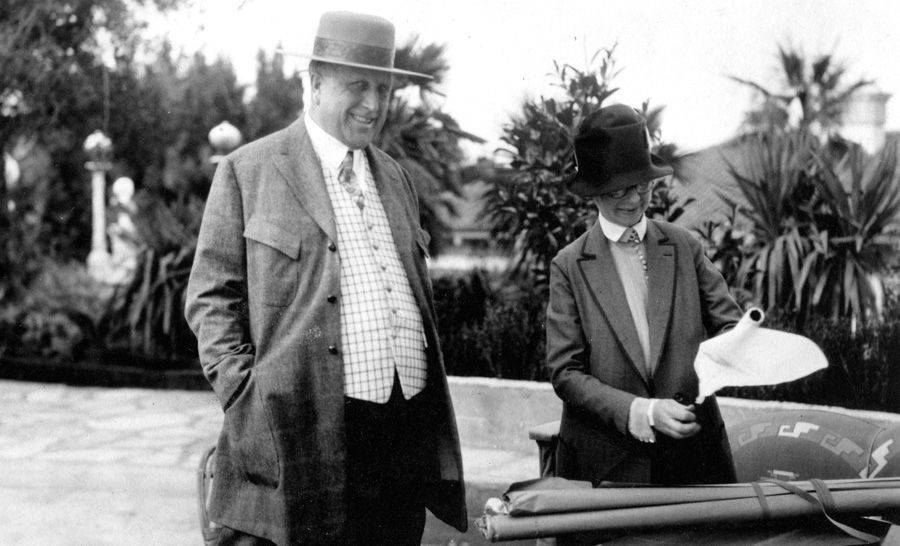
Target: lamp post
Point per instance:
(224, 138)
(98, 147)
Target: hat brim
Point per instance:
(332, 60)
(591, 188)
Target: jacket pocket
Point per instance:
(273, 256)
(248, 427)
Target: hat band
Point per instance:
(345, 52)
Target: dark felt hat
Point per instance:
(357, 40)
(612, 152)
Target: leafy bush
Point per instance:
(862, 371)
(490, 328)
(494, 328)
(724, 241)
(33, 331)
(533, 210)
(777, 187)
(821, 213)
(56, 316)
(145, 315)
(856, 223)
(531, 206)
(513, 338)
(817, 229)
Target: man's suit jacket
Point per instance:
(597, 366)
(263, 300)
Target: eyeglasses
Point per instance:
(640, 188)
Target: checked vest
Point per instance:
(381, 326)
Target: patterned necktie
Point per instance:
(634, 239)
(347, 178)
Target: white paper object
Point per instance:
(749, 355)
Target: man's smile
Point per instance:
(365, 120)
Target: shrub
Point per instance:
(494, 328)
(818, 228)
(862, 371)
(513, 339)
(55, 317)
(855, 223)
(145, 315)
(490, 327)
(533, 210)
(531, 206)
(34, 331)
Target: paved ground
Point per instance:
(93, 466)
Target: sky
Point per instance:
(676, 53)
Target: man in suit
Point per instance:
(314, 314)
(630, 302)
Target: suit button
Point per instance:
(332, 349)
(331, 298)
(332, 247)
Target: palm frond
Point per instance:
(762, 90)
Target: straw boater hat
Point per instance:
(357, 40)
(612, 152)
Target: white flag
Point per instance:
(749, 355)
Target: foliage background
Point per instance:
(808, 242)
(74, 66)
(534, 213)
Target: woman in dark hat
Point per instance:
(630, 302)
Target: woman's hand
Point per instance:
(675, 420)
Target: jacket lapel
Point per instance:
(389, 188)
(661, 271)
(391, 191)
(602, 278)
(299, 165)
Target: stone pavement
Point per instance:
(94, 466)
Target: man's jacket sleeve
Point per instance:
(216, 304)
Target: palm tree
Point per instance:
(856, 225)
(822, 228)
(419, 135)
(811, 95)
(775, 185)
